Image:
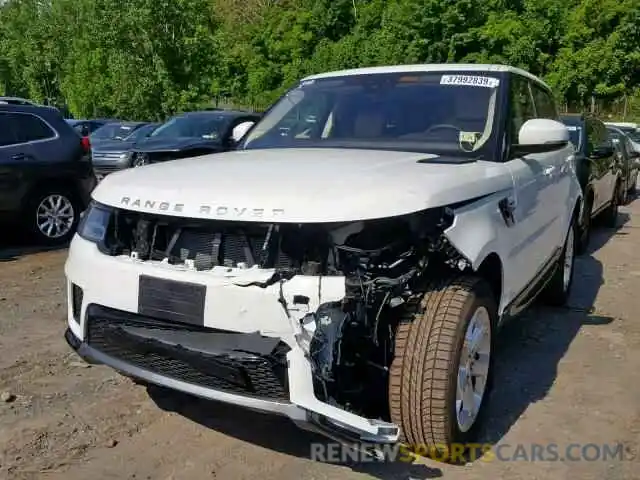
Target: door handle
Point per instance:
(19, 156)
(549, 171)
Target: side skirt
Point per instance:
(532, 290)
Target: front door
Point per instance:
(533, 177)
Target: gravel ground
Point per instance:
(564, 377)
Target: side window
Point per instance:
(591, 141)
(30, 128)
(6, 134)
(545, 105)
(522, 106)
(601, 138)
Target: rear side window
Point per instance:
(30, 128)
(545, 105)
(6, 134)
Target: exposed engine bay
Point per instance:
(385, 263)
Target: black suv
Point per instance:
(45, 172)
(599, 172)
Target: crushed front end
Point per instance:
(295, 319)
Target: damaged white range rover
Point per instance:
(350, 264)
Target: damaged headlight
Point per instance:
(94, 222)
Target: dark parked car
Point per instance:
(598, 171)
(114, 131)
(629, 159)
(87, 127)
(192, 134)
(110, 156)
(45, 172)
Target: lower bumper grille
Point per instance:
(189, 353)
(106, 169)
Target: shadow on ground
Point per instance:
(13, 246)
(530, 349)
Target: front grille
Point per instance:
(250, 374)
(206, 243)
(106, 169)
(106, 156)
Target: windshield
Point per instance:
(141, 132)
(423, 112)
(113, 131)
(634, 135)
(195, 126)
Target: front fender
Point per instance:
(475, 232)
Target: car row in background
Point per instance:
(631, 130)
(607, 167)
(186, 135)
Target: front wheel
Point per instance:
(585, 228)
(53, 216)
(441, 373)
(557, 291)
(610, 215)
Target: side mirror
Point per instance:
(540, 135)
(240, 131)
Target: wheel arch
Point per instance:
(491, 271)
(51, 184)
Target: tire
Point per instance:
(623, 196)
(139, 160)
(429, 348)
(49, 204)
(610, 215)
(557, 291)
(585, 228)
(634, 186)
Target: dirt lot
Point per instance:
(564, 376)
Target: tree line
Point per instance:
(148, 59)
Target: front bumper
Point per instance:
(120, 302)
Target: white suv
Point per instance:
(350, 265)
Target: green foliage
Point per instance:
(147, 59)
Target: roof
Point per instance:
(622, 124)
(429, 67)
(36, 109)
(17, 99)
(217, 113)
(573, 118)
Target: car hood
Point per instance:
(153, 144)
(112, 146)
(301, 185)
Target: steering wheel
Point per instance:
(441, 126)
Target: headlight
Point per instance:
(94, 222)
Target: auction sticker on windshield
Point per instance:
(470, 80)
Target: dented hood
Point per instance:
(301, 185)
